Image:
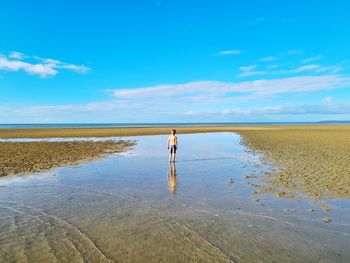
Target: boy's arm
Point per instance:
(168, 142)
(176, 142)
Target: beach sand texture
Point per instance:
(314, 159)
(119, 209)
(311, 158)
(29, 157)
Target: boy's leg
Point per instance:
(170, 153)
(174, 152)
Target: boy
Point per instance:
(172, 146)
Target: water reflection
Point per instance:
(119, 209)
(172, 178)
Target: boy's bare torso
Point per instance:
(172, 140)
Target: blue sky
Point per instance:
(174, 61)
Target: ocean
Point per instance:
(110, 125)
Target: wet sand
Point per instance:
(122, 209)
(29, 157)
(120, 131)
(128, 231)
(312, 159)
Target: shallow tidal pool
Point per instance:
(136, 207)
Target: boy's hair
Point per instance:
(173, 131)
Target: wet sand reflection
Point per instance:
(172, 178)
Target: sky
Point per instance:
(174, 61)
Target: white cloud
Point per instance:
(248, 71)
(199, 94)
(77, 68)
(251, 73)
(272, 66)
(310, 67)
(43, 70)
(268, 59)
(329, 69)
(41, 67)
(328, 100)
(247, 68)
(229, 52)
(217, 89)
(311, 59)
(315, 68)
(193, 98)
(286, 109)
(294, 52)
(16, 55)
(89, 107)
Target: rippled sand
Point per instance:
(311, 159)
(120, 131)
(100, 227)
(124, 209)
(30, 157)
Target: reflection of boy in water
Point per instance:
(172, 178)
(172, 146)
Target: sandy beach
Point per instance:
(312, 159)
(120, 131)
(124, 209)
(28, 157)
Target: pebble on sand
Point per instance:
(327, 219)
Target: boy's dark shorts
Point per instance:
(173, 149)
